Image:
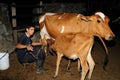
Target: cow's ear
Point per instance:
(85, 18)
(107, 19)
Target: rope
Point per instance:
(106, 57)
(37, 53)
(103, 44)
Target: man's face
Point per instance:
(30, 30)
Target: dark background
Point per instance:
(110, 7)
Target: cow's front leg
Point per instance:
(59, 56)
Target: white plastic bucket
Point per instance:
(4, 60)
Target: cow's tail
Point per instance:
(107, 54)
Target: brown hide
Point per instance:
(73, 22)
(71, 44)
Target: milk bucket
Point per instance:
(4, 60)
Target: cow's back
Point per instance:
(62, 23)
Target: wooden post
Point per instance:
(41, 7)
(14, 22)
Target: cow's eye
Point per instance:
(98, 21)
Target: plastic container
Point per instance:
(4, 60)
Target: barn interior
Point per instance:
(16, 14)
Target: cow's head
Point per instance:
(98, 24)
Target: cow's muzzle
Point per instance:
(111, 37)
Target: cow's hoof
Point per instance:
(53, 78)
(80, 71)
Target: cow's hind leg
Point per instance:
(68, 71)
(79, 66)
(84, 68)
(91, 64)
(68, 66)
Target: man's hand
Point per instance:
(29, 48)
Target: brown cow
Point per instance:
(53, 24)
(75, 46)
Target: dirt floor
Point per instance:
(18, 72)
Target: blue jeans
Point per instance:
(25, 56)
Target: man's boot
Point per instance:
(40, 68)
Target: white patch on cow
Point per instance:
(60, 17)
(62, 29)
(44, 33)
(43, 17)
(61, 55)
(78, 15)
(74, 56)
(89, 53)
(101, 15)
